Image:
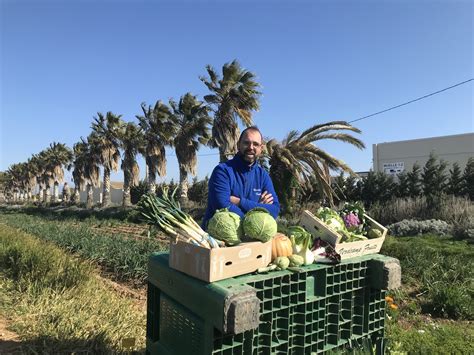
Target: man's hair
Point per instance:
(251, 128)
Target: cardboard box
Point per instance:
(219, 263)
(346, 250)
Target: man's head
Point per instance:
(250, 144)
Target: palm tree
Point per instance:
(159, 129)
(105, 132)
(90, 158)
(78, 165)
(58, 155)
(16, 173)
(234, 97)
(298, 158)
(33, 170)
(132, 143)
(193, 123)
(45, 178)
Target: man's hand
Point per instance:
(235, 200)
(266, 198)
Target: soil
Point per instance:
(9, 341)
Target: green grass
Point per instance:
(55, 303)
(436, 274)
(125, 258)
(435, 302)
(435, 307)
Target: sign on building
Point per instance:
(393, 168)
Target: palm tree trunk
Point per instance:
(106, 191)
(66, 193)
(151, 180)
(90, 196)
(76, 196)
(56, 191)
(126, 201)
(47, 194)
(183, 185)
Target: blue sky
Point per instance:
(317, 61)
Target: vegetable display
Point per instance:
(349, 222)
(225, 226)
(166, 214)
(259, 224)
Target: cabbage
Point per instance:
(259, 224)
(331, 218)
(225, 226)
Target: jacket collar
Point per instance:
(242, 164)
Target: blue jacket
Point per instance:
(236, 178)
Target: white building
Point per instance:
(116, 193)
(395, 157)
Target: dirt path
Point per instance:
(9, 341)
(137, 295)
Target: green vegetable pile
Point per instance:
(225, 226)
(259, 224)
(349, 222)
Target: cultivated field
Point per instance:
(78, 285)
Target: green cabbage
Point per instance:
(331, 218)
(225, 226)
(259, 224)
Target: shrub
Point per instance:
(450, 209)
(410, 227)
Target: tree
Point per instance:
(159, 129)
(92, 156)
(377, 187)
(414, 182)
(455, 182)
(403, 186)
(433, 178)
(132, 142)
(468, 177)
(16, 186)
(105, 133)
(33, 170)
(58, 155)
(352, 191)
(46, 176)
(339, 187)
(198, 190)
(297, 157)
(78, 167)
(192, 120)
(233, 97)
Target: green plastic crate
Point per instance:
(318, 309)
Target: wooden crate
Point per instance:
(346, 250)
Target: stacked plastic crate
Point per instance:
(315, 309)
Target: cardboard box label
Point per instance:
(245, 253)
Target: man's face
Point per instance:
(250, 146)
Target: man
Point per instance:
(241, 184)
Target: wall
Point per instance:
(394, 157)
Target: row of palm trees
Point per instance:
(185, 125)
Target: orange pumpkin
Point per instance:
(281, 246)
